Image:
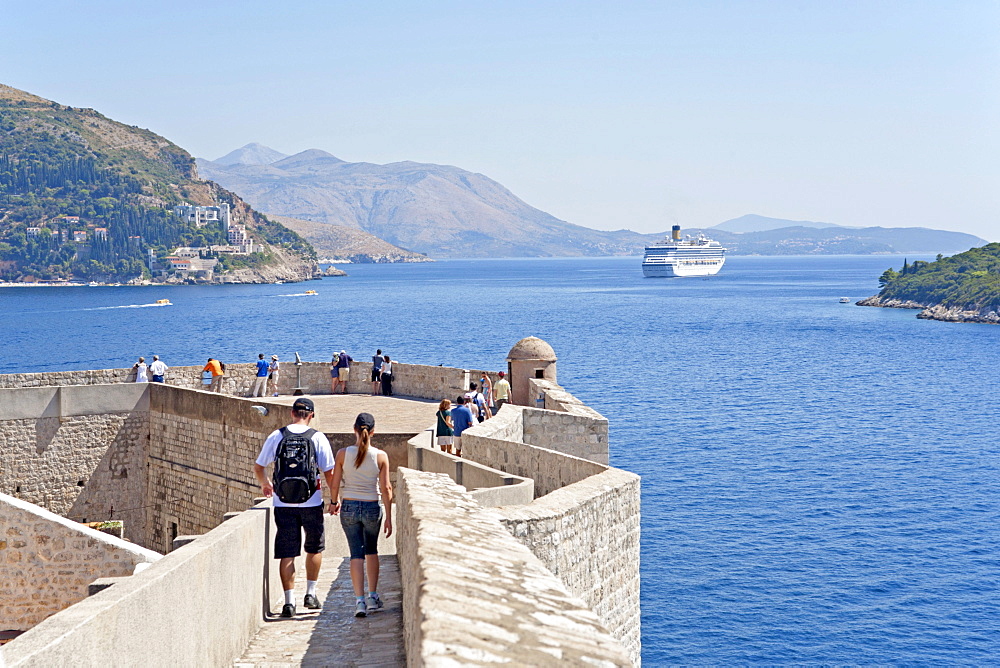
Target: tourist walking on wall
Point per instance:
(158, 370)
(377, 371)
(462, 419)
(300, 454)
(218, 370)
(364, 470)
(386, 376)
(260, 381)
(273, 373)
(140, 371)
(486, 385)
(476, 402)
(445, 431)
(502, 390)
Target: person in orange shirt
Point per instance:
(215, 366)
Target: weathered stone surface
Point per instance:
(47, 562)
(472, 595)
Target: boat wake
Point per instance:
(109, 308)
(299, 294)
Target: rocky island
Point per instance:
(86, 199)
(960, 288)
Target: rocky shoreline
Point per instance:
(938, 311)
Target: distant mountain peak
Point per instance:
(251, 154)
(310, 155)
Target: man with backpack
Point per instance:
(300, 454)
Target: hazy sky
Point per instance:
(609, 115)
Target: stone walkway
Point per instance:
(336, 413)
(333, 636)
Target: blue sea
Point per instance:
(821, 481)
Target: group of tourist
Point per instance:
(155, 372)
(340, 372)
(476, 405)
(360, 493)
(213, 373)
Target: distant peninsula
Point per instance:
(961, 288)
(86, 199)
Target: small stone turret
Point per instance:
(529, 358)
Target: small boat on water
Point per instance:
(163, 302)
(311, 292)
(845, 300)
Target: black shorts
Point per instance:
(291, 522)
(376, 375)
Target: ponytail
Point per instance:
(364, 441)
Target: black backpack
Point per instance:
(295, 469)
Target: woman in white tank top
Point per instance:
(364, 472)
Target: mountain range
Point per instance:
(439, 210)
(445, 211)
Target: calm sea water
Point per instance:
(821, 482)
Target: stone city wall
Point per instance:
(474, 595)
(584, 522)
(410, 380)
(587, 534)
(198, 606)
(490, 487)
(79, 452)
(47, 562)
(201, 453)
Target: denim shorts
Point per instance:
(361, 521)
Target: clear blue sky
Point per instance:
(608, 115)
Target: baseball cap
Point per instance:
(364, 420)
(502, 374)
(304, 404)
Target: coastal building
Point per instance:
(101, 233)
(33, 231)
(190, 266)
(79, 236)
(524, 551)
(239, 238)
(203, 215)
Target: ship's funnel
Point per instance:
(675, 232)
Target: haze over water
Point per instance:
(820, 480)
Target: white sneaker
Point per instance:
(360, 609)
(373, 603)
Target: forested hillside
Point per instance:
(970, 279)
(961, 288)
(85, 197)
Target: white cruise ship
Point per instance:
(674, 256)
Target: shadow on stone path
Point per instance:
(333, 636)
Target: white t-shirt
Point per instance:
(324, 458)
(158, 368)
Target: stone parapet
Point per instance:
(410, 380)
(490, 487)
(587, 533)
(62, 453)
(198, 606)
(48, 562)
(474, 595)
